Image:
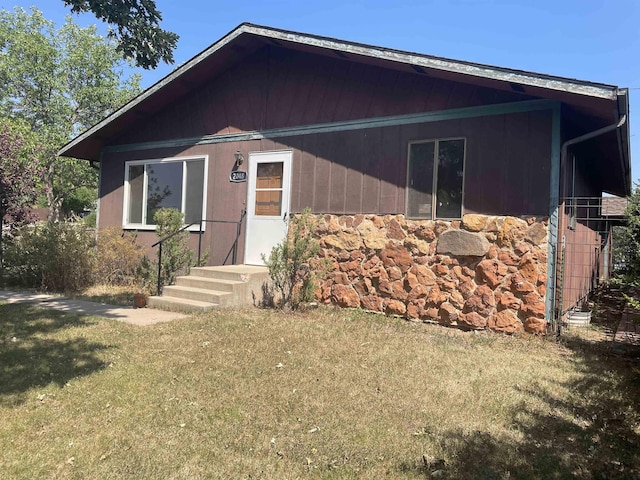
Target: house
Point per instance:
(448, 189)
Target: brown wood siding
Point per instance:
(225, 200)
(277, 88)
(583, 248)
(364, 171)
(581, 263)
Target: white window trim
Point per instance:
(184, 160)
(434, 184)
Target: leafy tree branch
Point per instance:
(137, 28)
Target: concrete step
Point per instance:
(180, 304)
(208, 283)
(209, 287)
(200, 294)
(240, 273)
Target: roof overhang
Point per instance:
(603, 102)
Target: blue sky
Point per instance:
(584, 39)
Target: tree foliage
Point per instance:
(19, 174)
(626, 239)
(137, 28)
(59, 82)
(625, 250)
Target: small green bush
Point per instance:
(51, 256)
(90, 220)
(177, 257)
(291, 264)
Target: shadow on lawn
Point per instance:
(31, 356)
(594, 433)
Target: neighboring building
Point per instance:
(447, 187)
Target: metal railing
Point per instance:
(585, 256)
(594, 209)
(234, 248)
(233, 251)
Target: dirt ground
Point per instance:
(613, 319)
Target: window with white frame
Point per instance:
(435, 178)
(178, 183)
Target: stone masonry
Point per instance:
(483, 272)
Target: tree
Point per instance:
(626, 239)
(19, 186)
(625, 250)
(138, 31)
(59, 82)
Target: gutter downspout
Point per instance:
(625, 153)
(582, 138)
(563, 156)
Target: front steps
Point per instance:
(206, 288)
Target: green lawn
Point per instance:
(327, 394)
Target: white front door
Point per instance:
(267, 203)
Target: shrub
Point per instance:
(52, 256)
(90, 220)
(177, 257)
(290, 264)
(119, 257)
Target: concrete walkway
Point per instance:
(133, 316)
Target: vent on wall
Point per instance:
(419, 69)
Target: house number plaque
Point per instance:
(238, 176)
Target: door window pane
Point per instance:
(420, 179)
(269, 175)
(269, 189)
(164, 187)
(136, 189)
(268, 203)
(450, 174)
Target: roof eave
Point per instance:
(549, 82)
(580, 87)
(175, 74)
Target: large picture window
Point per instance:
(435, 179)
(168, 183)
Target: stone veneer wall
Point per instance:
(481, 272)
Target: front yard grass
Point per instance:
(259, 394)
(109, 294)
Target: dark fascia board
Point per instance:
(568, 85)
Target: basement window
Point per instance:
(150, 185)
(435, 177)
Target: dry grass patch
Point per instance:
(325, 394)
(109, 294)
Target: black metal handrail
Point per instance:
(233, 250)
